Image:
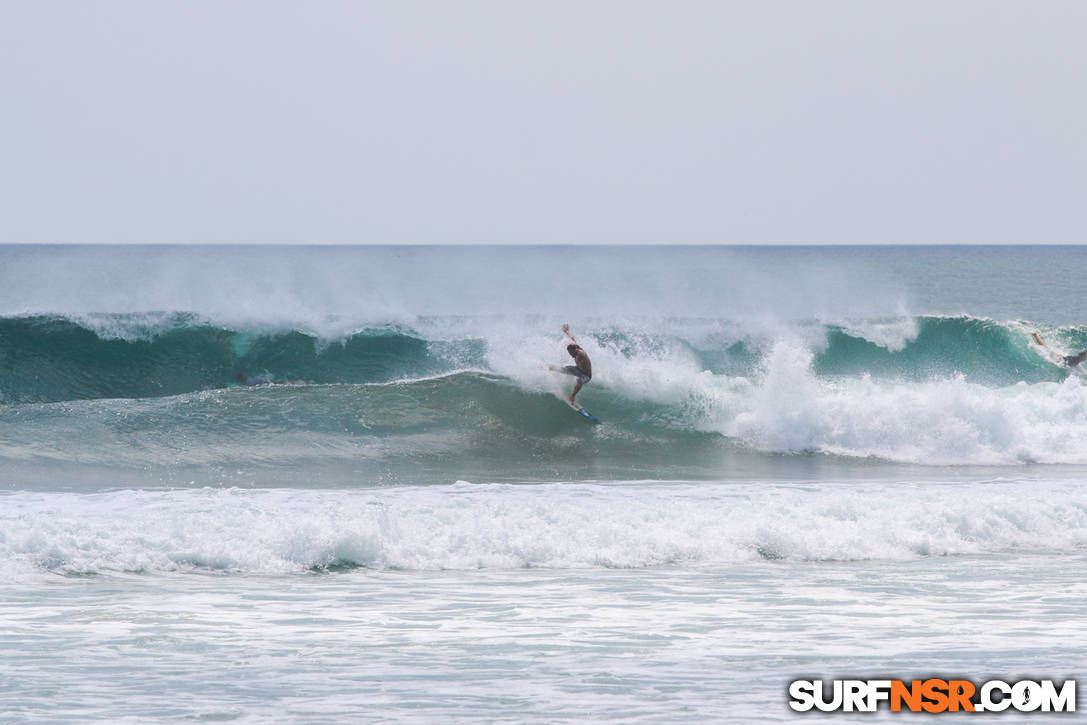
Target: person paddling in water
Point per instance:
(582, 369)
(1069, 360)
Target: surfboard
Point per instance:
(581, 411)
(576, 408)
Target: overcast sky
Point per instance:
(537, 122)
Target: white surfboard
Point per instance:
(577, 408)
(582, 411)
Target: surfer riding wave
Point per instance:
(1069, 360)
(582, 369)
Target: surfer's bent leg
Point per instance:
(574, 393)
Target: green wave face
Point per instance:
(45, 359)
(464, 425)
(982, 350)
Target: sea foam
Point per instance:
(467, 526)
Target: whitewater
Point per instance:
(813, 461)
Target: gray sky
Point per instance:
(537, 122)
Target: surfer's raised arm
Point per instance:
(1069, 361)
(566, 329)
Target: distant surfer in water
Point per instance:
(582, 369)
(1069, 360)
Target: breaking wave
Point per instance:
(675, 398)
(467, 526)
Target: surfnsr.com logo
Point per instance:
(932, 695)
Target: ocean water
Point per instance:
(813, 462)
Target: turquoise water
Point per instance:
(813, 462)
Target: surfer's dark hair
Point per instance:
(571, 347)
